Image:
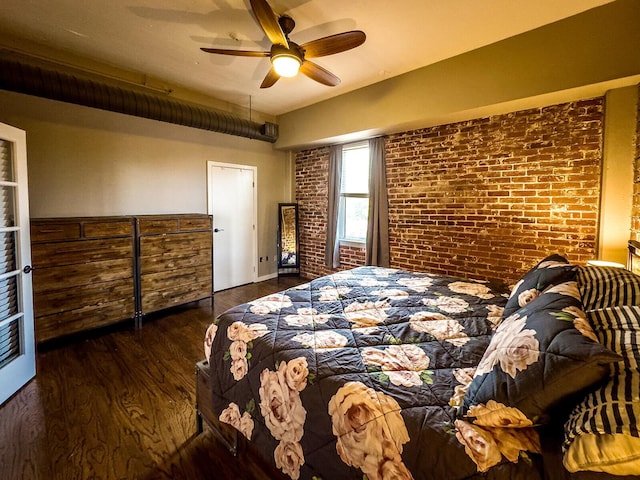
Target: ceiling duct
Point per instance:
(20, 77)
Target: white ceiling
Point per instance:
(162, 38)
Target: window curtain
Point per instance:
(377, 252)
(332, 246)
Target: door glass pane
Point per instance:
(7, 217)
(9, 342)
(7, 252)
(8, 298)
(6, 165)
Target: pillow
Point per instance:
(540, 355)
(602, 287)
(602, 432)
(552, 270)
(617, 454)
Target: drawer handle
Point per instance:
(52, 231)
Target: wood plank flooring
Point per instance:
(119, 404)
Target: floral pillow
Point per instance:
(552, 270)
(538, 356)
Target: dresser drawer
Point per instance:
(195, 223)
(85, 318)
(147, 226)
(78, 275)
(81, 251)
(175, 295)
(175, 243)
(52, 232)
(175, 261)
(92, 295)
(175, 279)
(108, 229)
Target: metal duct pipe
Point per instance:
(33, 80)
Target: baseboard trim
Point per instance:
(267, 277)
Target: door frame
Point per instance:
(23, 368)
(254, 240)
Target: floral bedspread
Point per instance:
(360, 373)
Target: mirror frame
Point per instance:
(282, 207)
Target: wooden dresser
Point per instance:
(83, 273)
(175, 260)
(91, 272)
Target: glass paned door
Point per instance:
(17, 345)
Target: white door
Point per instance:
(17, 345)
(232, 202)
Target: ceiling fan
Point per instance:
(287, 57)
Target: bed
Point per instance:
(396, 374)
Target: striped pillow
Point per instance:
(603, 287)
(602, 433)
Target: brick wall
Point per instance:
(635, 213)
(485, 198)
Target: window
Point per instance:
(354, 193)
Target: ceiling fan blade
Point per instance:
(239, 53)
(334, 44)
(268, 20)
(271, 78)
(319, 74)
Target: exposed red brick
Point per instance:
(485, 198)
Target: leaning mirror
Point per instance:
(288, 254)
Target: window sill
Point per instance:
(352, 243)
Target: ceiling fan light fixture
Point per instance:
(286, 64)
(287, 57)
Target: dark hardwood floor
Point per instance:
(119, 404)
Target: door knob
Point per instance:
(216, 230)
